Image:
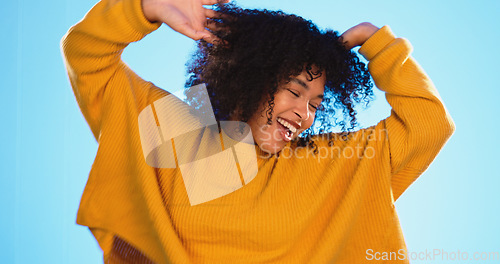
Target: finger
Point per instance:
(214, 25)
(209, 13)
(344, 39)
(211, 38)
(210, 24)
(213, 2)
(198, 35)
(190, 32)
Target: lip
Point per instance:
(283, 132)
(293, 123)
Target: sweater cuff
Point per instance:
(377, 42)
(133, 12)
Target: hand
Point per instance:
(187, 17)
(357, 35)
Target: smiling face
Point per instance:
(295, 105)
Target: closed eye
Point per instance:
(294, 93)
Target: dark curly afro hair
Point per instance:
(262, 50)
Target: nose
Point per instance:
(302, 110)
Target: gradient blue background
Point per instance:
(47, 148)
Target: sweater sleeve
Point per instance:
(419, 124)
(92, 53)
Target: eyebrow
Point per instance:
(303, 84)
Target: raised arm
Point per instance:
(419, 124)
(92, 50)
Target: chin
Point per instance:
(268, 139)
(270, 148)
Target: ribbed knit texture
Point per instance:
(300, 208)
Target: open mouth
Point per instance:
(287, 129)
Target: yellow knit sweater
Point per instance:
(326, 208)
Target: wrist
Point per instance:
(366, 30)
(148, 11)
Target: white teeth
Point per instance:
(286, 124)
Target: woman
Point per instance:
(320, 199)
